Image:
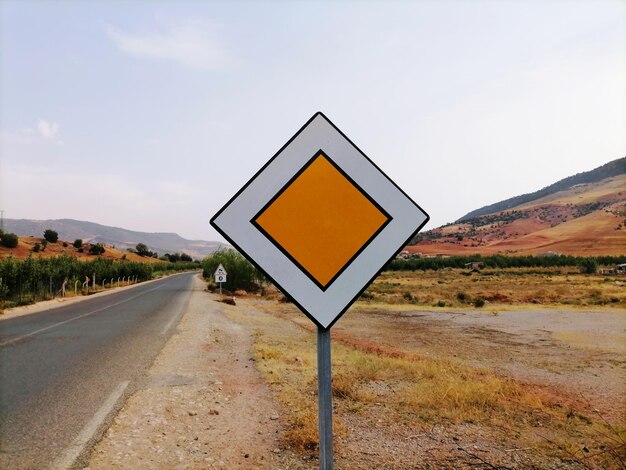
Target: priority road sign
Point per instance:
(320, 219)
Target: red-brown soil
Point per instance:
(585, 220)
(25, 247)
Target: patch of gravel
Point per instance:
(203, 405)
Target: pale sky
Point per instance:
(151, 115)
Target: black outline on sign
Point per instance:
(317, 154)
(243, 188)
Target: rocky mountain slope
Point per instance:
(581, 215)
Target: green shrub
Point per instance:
(479, 302)
(78, 243)
(9, 240)
(51, 236)
(36, 248)
(143, 250)
(96, 249)
(241, 274)
(589, 266)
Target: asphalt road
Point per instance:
(65, 371)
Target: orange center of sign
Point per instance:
(321, 220)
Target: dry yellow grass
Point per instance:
(417, 391)
(500, 288)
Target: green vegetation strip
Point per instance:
(29, 280)
(586, 263)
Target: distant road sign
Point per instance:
(220, 270)
(220, 274)
(321, 220)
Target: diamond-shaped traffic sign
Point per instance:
(321, 220)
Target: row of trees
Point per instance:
(586, 263)
(142, 250)
(32, 279)
(176, 257)
(243, 275)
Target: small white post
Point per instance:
(76, 287)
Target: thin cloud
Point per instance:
(188, 44)
(49, 130)
(44, 131)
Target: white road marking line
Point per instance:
(86, 434)
(179, 312)
(170, 323)
(32, 333)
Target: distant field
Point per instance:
(498, 288)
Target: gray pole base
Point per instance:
(325, 396)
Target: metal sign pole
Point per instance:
(325, 397)
(220, 288)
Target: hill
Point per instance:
(120, 238)
(26, 245)
(613, 168)
(581, 215)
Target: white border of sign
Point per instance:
(233, 221)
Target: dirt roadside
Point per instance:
(203, 404)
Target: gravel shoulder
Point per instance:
(203, 404)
